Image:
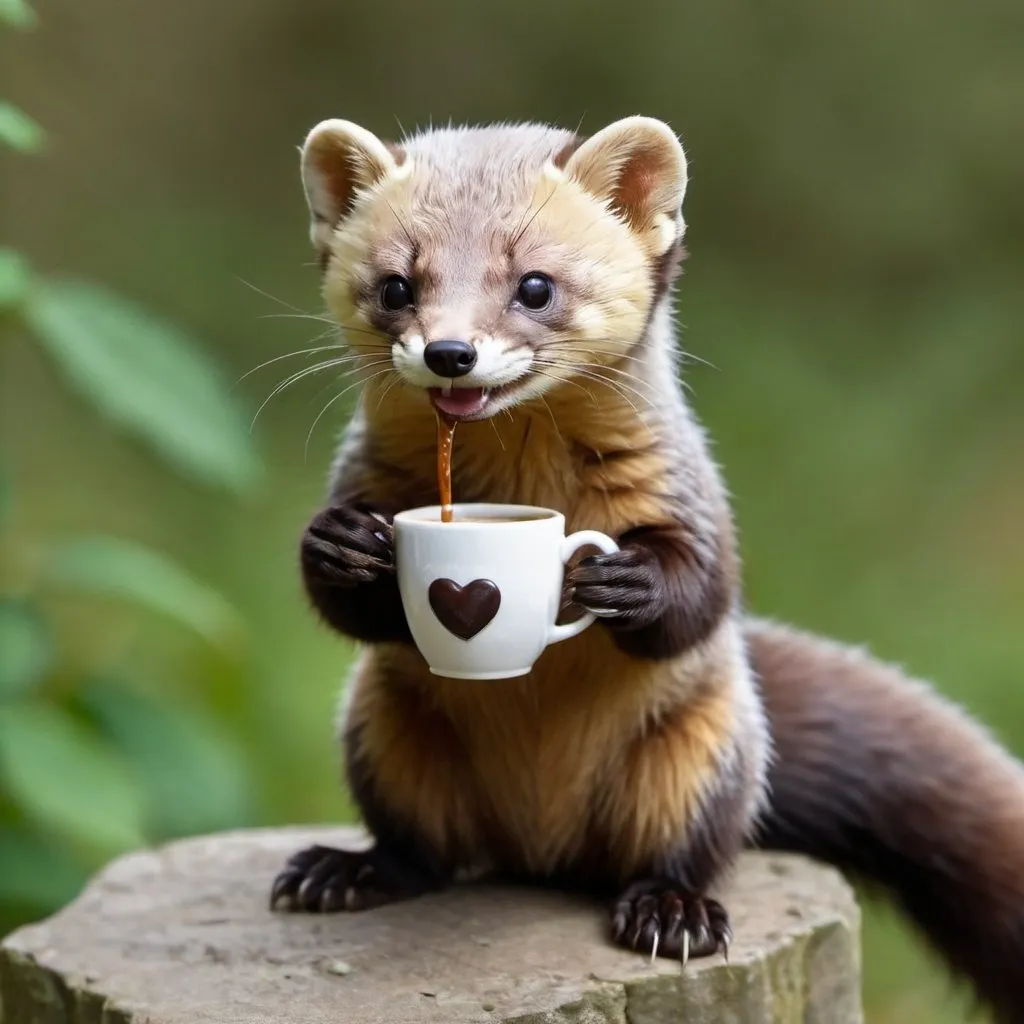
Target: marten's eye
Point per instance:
(535, 290)
(396, 293)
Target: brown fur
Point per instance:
(593, 458)
(877, 774)
(525, 773)
(639, 750)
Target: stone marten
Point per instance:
(519, 278)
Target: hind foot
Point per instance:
(663, 918)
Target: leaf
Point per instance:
(62, 775)
(18, 130)
(17, 14)
(123, 569)
(37, 873)
(194, 775)
(147, 376)
(15, 279)
(26, 647)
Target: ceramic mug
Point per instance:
(481, 593)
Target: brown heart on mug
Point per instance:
(464, 611)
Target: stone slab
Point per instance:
(183, 934)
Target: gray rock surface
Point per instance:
(183, 934)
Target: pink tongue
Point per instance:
(460, 401)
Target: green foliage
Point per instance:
(116, 568)
(35, 873)
(17, 14)
(18, 130)
(15, 278)
(147, 376)
(91, 764)
(26, 647)
(855, 225)
(194, 775)
(67, 779)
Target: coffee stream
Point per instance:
(445, 440)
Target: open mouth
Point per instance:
(464, 403)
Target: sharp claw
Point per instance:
(327, 898)
(723, 946)
(302, 896)
(654, 946)
(685, 953)
(278, 890)
(601, 613)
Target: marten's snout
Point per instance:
(449, 358)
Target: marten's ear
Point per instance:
(638, 167)
(340, 159)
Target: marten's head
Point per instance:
(493, 265)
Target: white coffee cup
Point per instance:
(481, 597)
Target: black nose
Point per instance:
(449, 358)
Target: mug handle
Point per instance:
(571, 544)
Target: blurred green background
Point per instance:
(856, 216)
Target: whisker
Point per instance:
(526, 227)
(296, 316)
(570, 345)
(341, 328)
(340, 394)
(554, 423)
(401, 223)
(384, 394)
(617, 386)
(294, 378)
(299, 352)
(589, 349)
(595, 371)
(558, 378)
(494, 427)
(308, 371)
(348, 373)
(690, 357)
(618, 390)
(621, 371)
(267, 295)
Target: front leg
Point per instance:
(402, 863)
(347, 559)
(409, 776)
(666, 590)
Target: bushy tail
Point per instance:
(878, 775)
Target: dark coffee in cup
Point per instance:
(498, 519)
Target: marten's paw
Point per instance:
(345, 546)
(321, 879)
(625, 585)
(662, 918)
